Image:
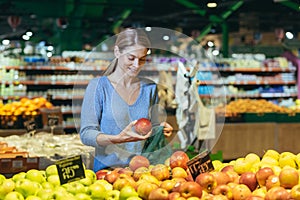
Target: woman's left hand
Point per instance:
(168, 129)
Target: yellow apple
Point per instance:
(272, 153)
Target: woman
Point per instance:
(114, 101)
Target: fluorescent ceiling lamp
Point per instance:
(212, 5)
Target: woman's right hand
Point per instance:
(129, 135)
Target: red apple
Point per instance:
(145, 188)
(222, 178)
(249, 179)
(167, 184)
(262, 175)
(178, 172)
(223, 190)
(100, 174)
(227, 168)
(143, 126)
(111, 176)
(138, 161)
(160, 171)
(190, 189)
(179, 159)
(255, 198)
(288, 177)
(139, 172)
(174, 195)
(272, 181)
(241, 192)
(207, 181)
(234, 176)
(295, 192)
(189, 176)
(159, 194)
(126, 170)
(277, 193)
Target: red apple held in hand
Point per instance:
(249, 179)
(207, 181)
(138, 161)
(190, 189)
(288, 177)
(179, 159)
(143, 126)
(158, 194)
(223, 190)
(262, 175)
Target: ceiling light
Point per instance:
(25, 37)
(289, 35)
(5, 42)
(166, 37)
(210, 43)
(148, 28)
(29, 33)
(211, 5)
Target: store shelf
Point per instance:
(258, 82)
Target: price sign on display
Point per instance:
(200, 164)
(70, 169)
(53, 120)
(30, 126)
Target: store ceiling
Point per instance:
(90, 20)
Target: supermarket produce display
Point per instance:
(275, 175)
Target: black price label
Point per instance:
(70, 169)
(53, 120)
(200, 164)
(30, 125)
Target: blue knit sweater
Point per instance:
(104, 111)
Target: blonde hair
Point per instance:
(128, 37)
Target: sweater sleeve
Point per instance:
(90, 114)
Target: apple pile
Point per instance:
(273, 176)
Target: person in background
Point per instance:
(114, 102)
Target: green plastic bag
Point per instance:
(156, 147)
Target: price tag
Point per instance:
(70, 169)
(30, 126)
(200, 164)
(53, 120)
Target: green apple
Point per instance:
(27, 187)
(134, 198)
(51, 170)
(105, 183)
(2, 178)
(54, 180)
(32, 197)
(46, 185)
(7, 186)
(112, 195)
(14, 195)
(62, 194)
(97, 191)
(90, 177)
(35, 175)
(82, 196)
(45, 193)
(19, 176)
(75, 187)
(127, 191)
